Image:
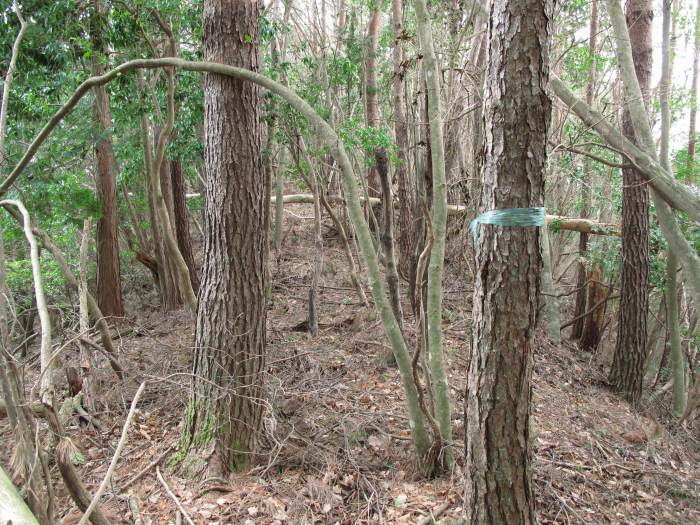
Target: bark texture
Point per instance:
(627, 371)
(517, 111)
(109, 285)
(182, 225)
(225, 409)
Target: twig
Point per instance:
(148, 467)
(173, 497)
(115, 458)
(434, 514)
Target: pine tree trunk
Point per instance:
(182, 225)
(225, 410)
(627, 371)
(508, 266)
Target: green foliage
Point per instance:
(20, 280)
(355, 135)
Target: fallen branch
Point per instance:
(147, 469)
(173, 497)
(115, 458)
(557, 222)
(584, 314)
(434, 514)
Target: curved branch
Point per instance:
(44, 319)
(326, 133)
(8, 80)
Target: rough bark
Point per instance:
(517, 111)
(182, 224)
(225, 410)
(627, 372)
(109, 286)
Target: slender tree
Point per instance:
(109, 284)
(405, 237)
(581, 278)
(627, 371)
(694, 89)
(224, 412)
(671, 292)
(508, 265)
(182, 224)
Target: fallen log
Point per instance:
(556, 222)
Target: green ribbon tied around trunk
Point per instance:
(520, 217)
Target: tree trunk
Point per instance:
(405, 237)
(109, 284)
(694, 91)
(372, 89)
(508, 266)
(580, 308)
(12, 507)
(672, 321)
(597, 293)
(182, 225)
(627, 371)
(225, 410)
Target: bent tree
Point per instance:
(224, 411)
(508, 265)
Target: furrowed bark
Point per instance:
(627, 371)
(517, 111)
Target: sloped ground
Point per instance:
(336, 446)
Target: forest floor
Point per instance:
(336, 441)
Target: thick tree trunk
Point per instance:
(580, 308)
(109, 285)
(508, 265)
(182, 225)
(225, 410)
(627, 371)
